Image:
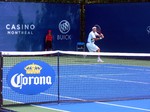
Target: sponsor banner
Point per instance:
(126, 26)
(31, 77)
(23, 25)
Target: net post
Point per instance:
(1, 73)
(58, 54)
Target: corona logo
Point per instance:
(31, 77)
(33, 69)
(19, 80)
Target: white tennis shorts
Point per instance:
(92, 47)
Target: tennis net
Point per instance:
(78, 77)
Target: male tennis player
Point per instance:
(92, 37)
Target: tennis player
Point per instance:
(92, 37)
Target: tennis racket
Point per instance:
(98, 28)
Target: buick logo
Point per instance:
(148, 29)
(64, 26)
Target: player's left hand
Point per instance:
(101, 35)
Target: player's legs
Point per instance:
(99, 59)
(89, 47)
(94, 48)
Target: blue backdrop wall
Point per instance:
(23, 26)
(126, 26)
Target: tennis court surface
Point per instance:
(122, 79)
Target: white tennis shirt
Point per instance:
(91, 37)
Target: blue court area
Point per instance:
(93, 82)
(107, 81)
(118, 106)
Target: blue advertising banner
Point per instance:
(23, 26)
(126, 26)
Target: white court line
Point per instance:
(67, 97)
(102, 74)
(130, 68)
(109, 79)
(123, 106)
(39, 106)
(122, 66)
(104, 103)
(117, 80)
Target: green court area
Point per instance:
(32, 109)
(67, 59)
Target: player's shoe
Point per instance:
(100, 60)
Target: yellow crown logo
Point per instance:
(33, 69)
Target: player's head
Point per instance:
(94, 29)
